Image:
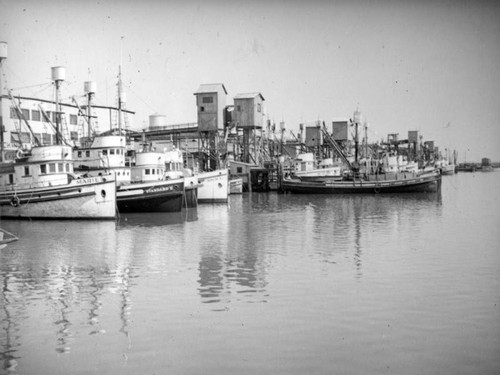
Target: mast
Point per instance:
(90, 89)
(58, 76)
(357, 121)
(366, 140)
(120, 98)
(3, 56)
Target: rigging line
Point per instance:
(46, 84)
(142, 100)
(137, 95)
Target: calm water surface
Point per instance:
(268, 284)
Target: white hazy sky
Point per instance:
(432, 66)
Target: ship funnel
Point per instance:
(90, 87)
(58, 73)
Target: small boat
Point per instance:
(41, 184)
(445, 167)
(235, 185)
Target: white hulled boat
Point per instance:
(306, 168)
(41, 184)
(213, 186)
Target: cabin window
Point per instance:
(43, 168)
(153, 171)
(68, 168)
(202, 109)
(239, 169)
(26, 170)
(112, 151)
(73, 136)
(147, 171)
(104, 152)
(208, 99)
(52, 167)
(238, 108)
(79, 154)
(73, 119)
(11, 179)
(25, 137)
(46, 139)
(259, 108)
(35, 115)
(60, 167)
(87, 153)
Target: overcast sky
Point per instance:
(432, 66)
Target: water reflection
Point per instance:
(231, 266)
(153, 219)
(355, 224)
(54, 268)
(10, 342)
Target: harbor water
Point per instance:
(267, 284)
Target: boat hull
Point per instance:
(157, 196)
(86, 198)
(213, 186)
(424, 183)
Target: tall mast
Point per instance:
(3, 56)
(58, 76)
(90, 89)
(120, 98)
(357, 120)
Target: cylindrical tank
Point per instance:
(157, 120)
(90, 87)
(58, 73)
(3, 50)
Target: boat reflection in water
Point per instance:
(155, 219)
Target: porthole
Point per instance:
(103, 193)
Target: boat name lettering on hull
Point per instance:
(160, 189)
(88, 180)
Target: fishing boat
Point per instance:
(143, 182)
(142, 185)
(400, 182)
(41, 184)
(150, 190)
(306, 168)
(213, 186)
(445, 167)
(367, 181)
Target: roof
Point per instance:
(210, 88)
(250, 95)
